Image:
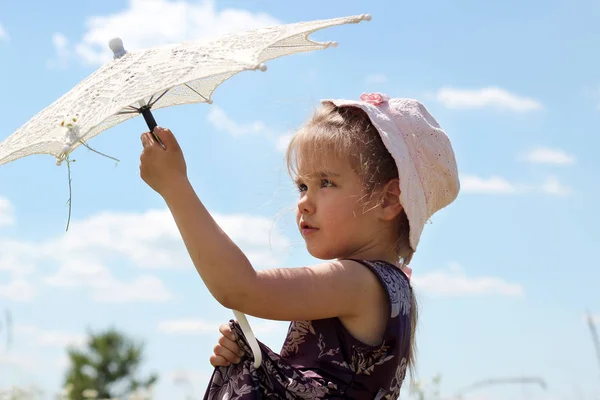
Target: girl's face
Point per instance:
(332, 215)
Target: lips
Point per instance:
(307, 229)
(304, 225)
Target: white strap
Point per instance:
(252, 342)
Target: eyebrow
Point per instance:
(324, 174)
(320, 174)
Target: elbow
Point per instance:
(231, 299)
(224, 297)
(235, 296)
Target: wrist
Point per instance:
(175, 188)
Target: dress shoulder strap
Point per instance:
(395, 283)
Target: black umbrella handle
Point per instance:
(151, 122)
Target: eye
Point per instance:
(301, 187)
(327, 183)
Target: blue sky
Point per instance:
(504, 275)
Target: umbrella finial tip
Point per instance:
(367, 17)
(116, 45)
(262, 67)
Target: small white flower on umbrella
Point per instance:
(70, 121)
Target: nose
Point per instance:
(305, 204)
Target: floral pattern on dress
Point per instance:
(398, 379)
(295, 337)
(322, 348)
(364, 362)
(397, 286)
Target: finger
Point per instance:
(231, 345)
(218, 361)
(231, 342)
(227, 354)
(150, 138)
(147, 139)
(225, 330)
(167, 137)
(229, 339)
(144, 140)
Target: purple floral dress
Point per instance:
(320, 359)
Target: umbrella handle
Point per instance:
(151, 122)
(250, 338)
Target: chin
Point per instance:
(323, 254)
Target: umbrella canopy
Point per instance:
(135, 82)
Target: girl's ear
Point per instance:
(390, 200)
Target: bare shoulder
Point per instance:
(344, 289)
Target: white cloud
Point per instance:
(282, 142)
(500, 186)
(3, 35)
(188, 326)
(17, 290)
(376, 78)
(24, 362)
(221, 121)
(544, 155)
(148, 240)
(17, 258)
(61, 47)
(85, 273)
(145, 288)
(454, 282)
(494, 185)
(49, 338)
(179, 21)
(552, 186)
(190, 379)
(490, 97)
(7, 216)
(184, 375)
(263, 244)
(151, 240)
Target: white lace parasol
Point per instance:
(135, 82)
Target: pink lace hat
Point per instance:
(423, 153)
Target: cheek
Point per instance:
(342, 214)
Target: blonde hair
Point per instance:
(347, 133)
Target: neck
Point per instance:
(376, 251)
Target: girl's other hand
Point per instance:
(227, 351)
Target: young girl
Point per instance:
(369, 172)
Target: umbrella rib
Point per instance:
(134, 111)
(195, 91)
(151, 103)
